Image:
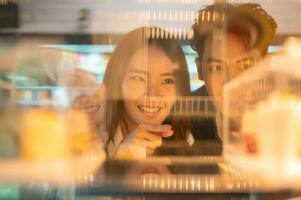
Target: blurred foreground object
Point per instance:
(262, 119)
(56, 147)
(58, 136)
(43, 136)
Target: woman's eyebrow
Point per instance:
(144, 72)
(167, 74)
(137, 71)
(212, 59)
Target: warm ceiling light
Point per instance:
(3, 2)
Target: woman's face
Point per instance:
(148, 87)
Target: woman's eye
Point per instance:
(245, 66)
(137, 78)
(216, 68)
(168, 81)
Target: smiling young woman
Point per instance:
(143, 78)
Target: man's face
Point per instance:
(224, 58)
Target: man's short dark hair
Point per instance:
(241, 20)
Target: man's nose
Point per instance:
(233, 73)
(228, 76)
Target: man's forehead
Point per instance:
(227, 46)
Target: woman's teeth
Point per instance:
(149, 109)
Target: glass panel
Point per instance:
(142, 97)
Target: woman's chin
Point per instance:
(153, 121)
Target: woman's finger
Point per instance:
(159, 128)
(167, 134)
(164, 130)
(145, 135)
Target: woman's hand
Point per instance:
(145, 138)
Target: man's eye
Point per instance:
(245, 65)
(137, 78)
(216, 68)
(168, 81)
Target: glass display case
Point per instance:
(262, 118)
(124, 99)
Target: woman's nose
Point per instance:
(151, 89)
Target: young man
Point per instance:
(228, 40)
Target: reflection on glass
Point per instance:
(82, 83)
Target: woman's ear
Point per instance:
(199, 67)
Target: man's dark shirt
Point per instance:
(199, 113)
(203, 127)
(200, 91)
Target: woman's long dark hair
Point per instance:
(140, 39)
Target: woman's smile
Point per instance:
(149, 109)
